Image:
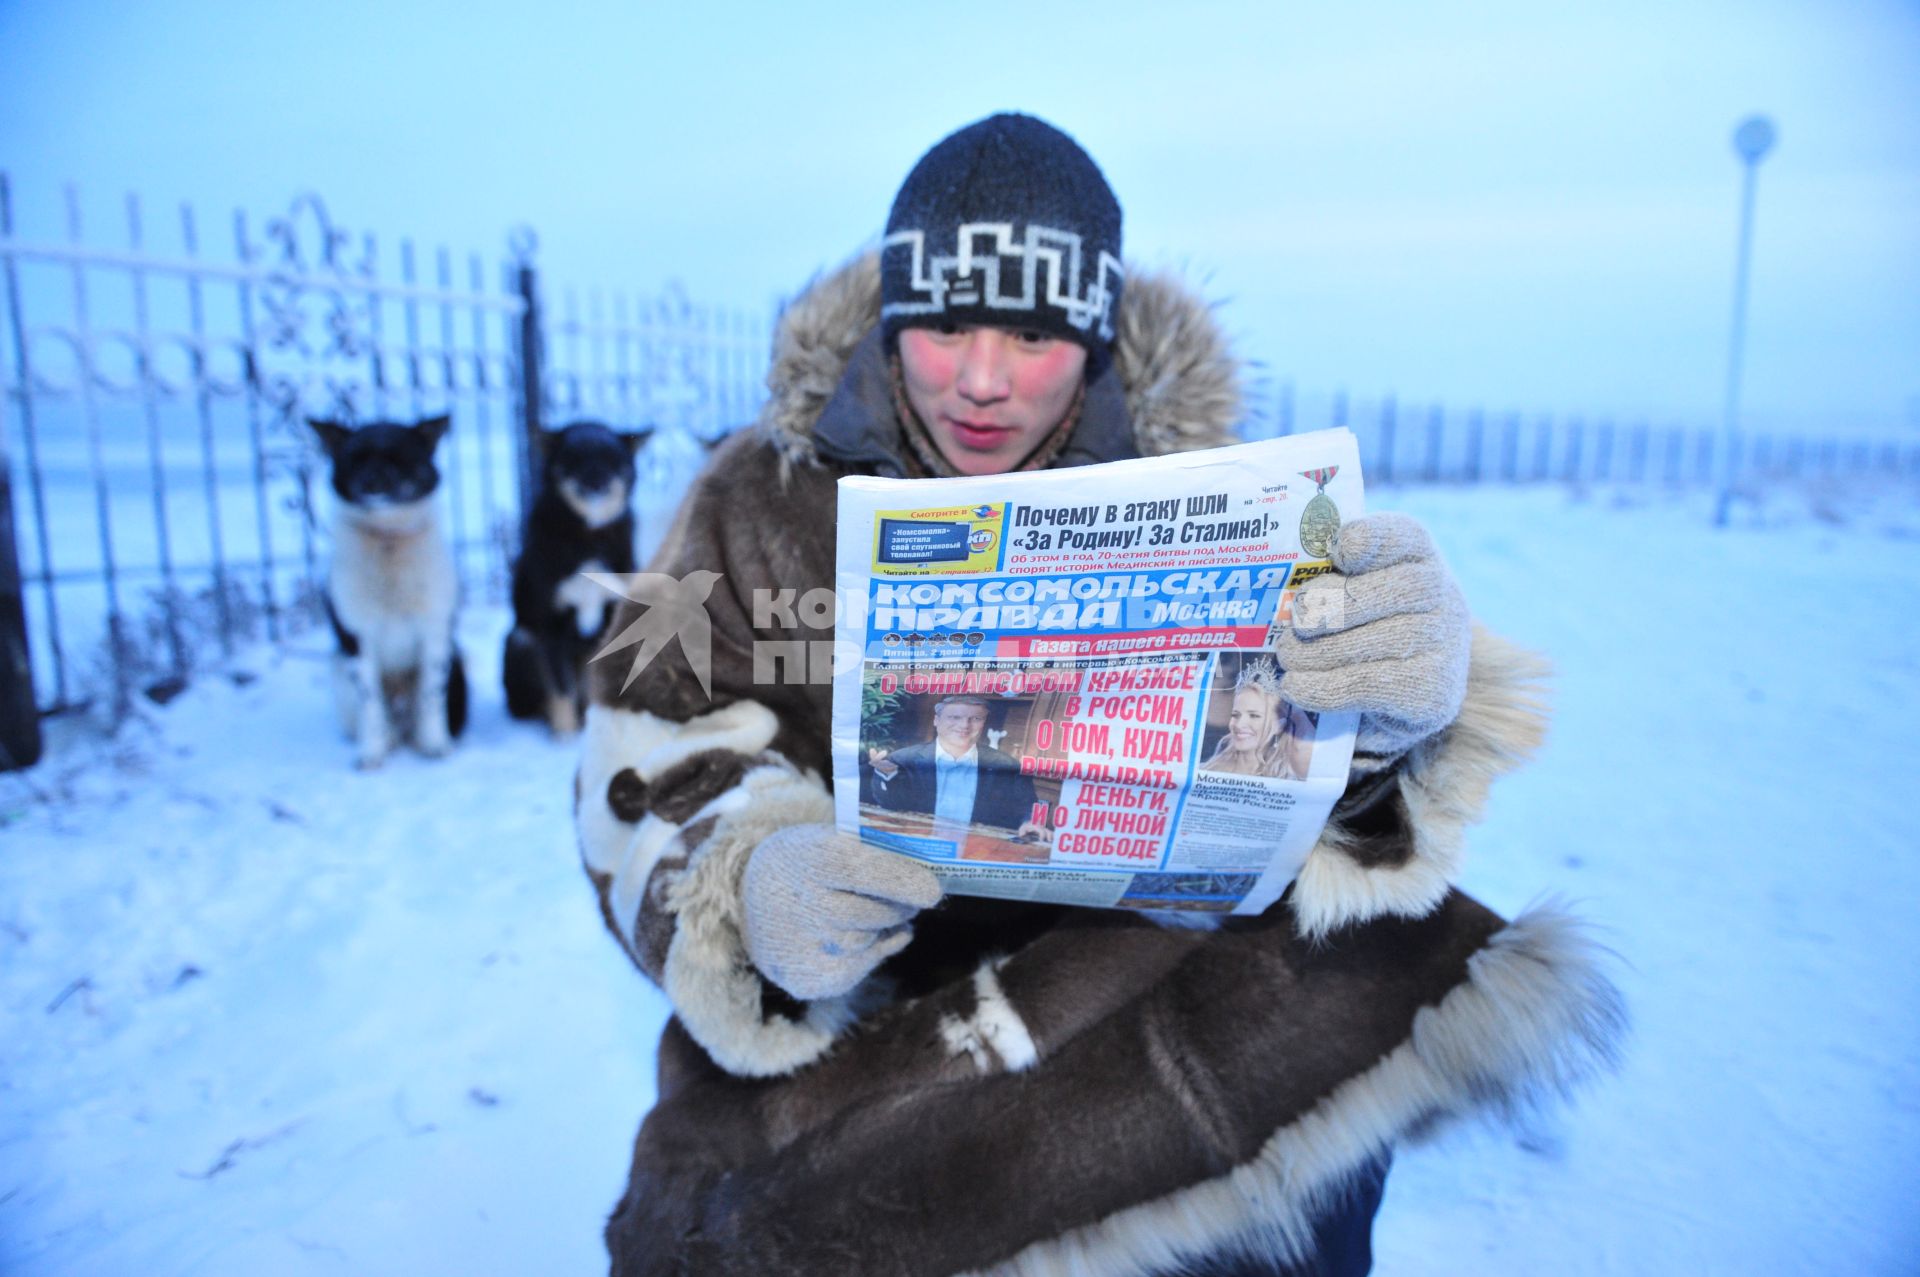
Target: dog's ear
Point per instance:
(332, 434)
(434, 428)
(544, 441)
(636, 439)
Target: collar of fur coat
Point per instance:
(1181, 384)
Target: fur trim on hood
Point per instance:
(1182, 385)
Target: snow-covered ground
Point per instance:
(262, 1014)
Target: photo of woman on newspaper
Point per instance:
(1264, 735)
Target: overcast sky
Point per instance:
(1524, 204)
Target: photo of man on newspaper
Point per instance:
(975, 794)
(1251, 731)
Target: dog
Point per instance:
(581, 522)
(392, 590)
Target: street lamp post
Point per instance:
(1754, 137)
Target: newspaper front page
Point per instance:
(1059, 686)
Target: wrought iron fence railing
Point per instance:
(159, 488)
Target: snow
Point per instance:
(1725, 791)
(262, 1013)
(408, 1046)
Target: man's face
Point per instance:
(957, 727)
(989, 395)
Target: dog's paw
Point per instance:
(563, 716)
(372, 747)
(435, 744)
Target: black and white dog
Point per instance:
(581, 522)
(392, 590)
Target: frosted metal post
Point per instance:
(1751, 142)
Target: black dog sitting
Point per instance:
(581, 522)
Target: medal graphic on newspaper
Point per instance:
(1321, 519)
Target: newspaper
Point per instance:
(1058, 685)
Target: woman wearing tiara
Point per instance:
(1265, 735)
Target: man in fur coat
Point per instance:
(864, 1078)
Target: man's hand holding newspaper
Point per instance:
(1386, 633)
(823, 908)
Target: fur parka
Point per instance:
(1031, 1089)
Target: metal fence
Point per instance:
(1426, 443)
(158, 484)
(159, 487)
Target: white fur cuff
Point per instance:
(1443, 786)
(708, 977)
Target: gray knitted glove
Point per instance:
(1386, 633)
(823, 908)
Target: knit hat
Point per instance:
(1005, 222)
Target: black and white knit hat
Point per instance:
(1005, 222)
